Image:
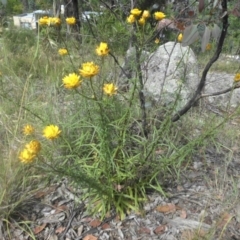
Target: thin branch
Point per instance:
(220, 92)
(202, 82)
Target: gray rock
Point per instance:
(219, 81)
(171, 75)
(129, 67)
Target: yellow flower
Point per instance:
(55, 21)
(146, 14)
(62, 51)
(28, 129)
(237, 77)
(71, 81)
(43, 20)
(180, 37)
(136, 12)
(26, 156)
(131, 19)
(102, 49)
(159, 15)
(142, 21)
(71, 21)
(157, 40)
(110, 89)
(209, 46)
(89, 69)
(51, 132)
(33, 147)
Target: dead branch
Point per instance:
(202, 82)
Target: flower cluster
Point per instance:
(33, 147)
(55, 21)
(139, 16)
(88, 70)
(30, 151)
(49, 21)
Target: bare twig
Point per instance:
(74, 214)
(201, 85)
(220, 92)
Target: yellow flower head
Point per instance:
(237, 77)
(180, 37)
(62, 51)
(146, 14)
(51, 132)
(55, 21)
(89, 69)
(71, 21)
(33, 147)
(110, 89)
(28, 129)
(131, 19)
(157, 40)
(159, 15)
(43, 20)
(209, 46)
(136, 12)
(142, 21)
(71, 81)
(102, 49)
(26, 157)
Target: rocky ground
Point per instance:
(202, 204)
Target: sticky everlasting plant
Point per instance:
(105, 139)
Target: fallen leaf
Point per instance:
(183, 214)
(53, 237)
(159, 151)
(40, 194)
(224, 220)
(144, 230)
(118, 187)
(160, 229)
(90, 237)
(105, 226)
(191, 235)
(80, 230)
(38, 229)
(187, 235)
(86, 219)
(95, 223)
(61, 208)
(166, 208)
(60, 230)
